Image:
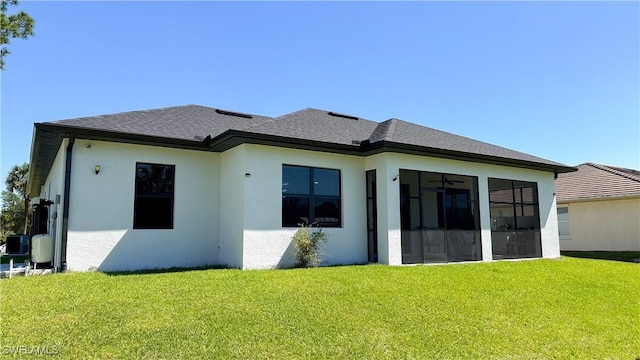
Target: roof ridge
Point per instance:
(392, 126)
(381, 131)
(613, 171)
(129, 112)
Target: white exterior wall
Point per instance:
(390, 190)
(388, 206)
(54, 185)
(266, 243)
(101, 230)
(228, 206)
(232, 206)
(605, 225)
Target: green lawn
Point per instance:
(542, 309)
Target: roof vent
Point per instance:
(342, 115)
(231, 113)
(355, 142)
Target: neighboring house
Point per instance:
(194, 186)
(599, 208)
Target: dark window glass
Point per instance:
(295, 180)
(326, 182)
(372, 226)
(459, 210)
(154, 194)
(310, 196)
(327, 211)
(295, 210)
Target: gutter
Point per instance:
(595, 199)
(47, 138)
(65, 204)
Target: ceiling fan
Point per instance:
(448, 182)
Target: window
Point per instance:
(153, 204)
(372, 216)
(311, 196)
(563, 222)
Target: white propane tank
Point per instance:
(42, 248)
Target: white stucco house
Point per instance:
(195, 186)
(599, 208)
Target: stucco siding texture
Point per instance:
(609, 225)
(101, 206)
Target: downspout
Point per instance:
(65, 204)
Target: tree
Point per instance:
(11, 216)
(19, 25)
(15, 200)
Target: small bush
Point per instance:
(308, 246)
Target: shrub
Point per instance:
(307, 245)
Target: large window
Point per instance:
(515, 222)
(153, 204)
(310, 196)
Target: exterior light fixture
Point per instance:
(396, 177)
(97, 169)
(247, 174)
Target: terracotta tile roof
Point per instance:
(596, 181)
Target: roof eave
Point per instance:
(598, 198)
(232, 138)
(51, 135)
(47, 138)
(389, 146)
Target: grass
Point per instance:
(543, 309)
(629, 256)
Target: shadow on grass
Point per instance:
(168, 270)
(626, 256)
(214, 267)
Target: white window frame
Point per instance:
(567, 221)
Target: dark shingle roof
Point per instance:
(596, 181)
(403, 132)
(312, 129)
(317, 125)
(189, 122)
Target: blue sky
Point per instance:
(559, 80)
